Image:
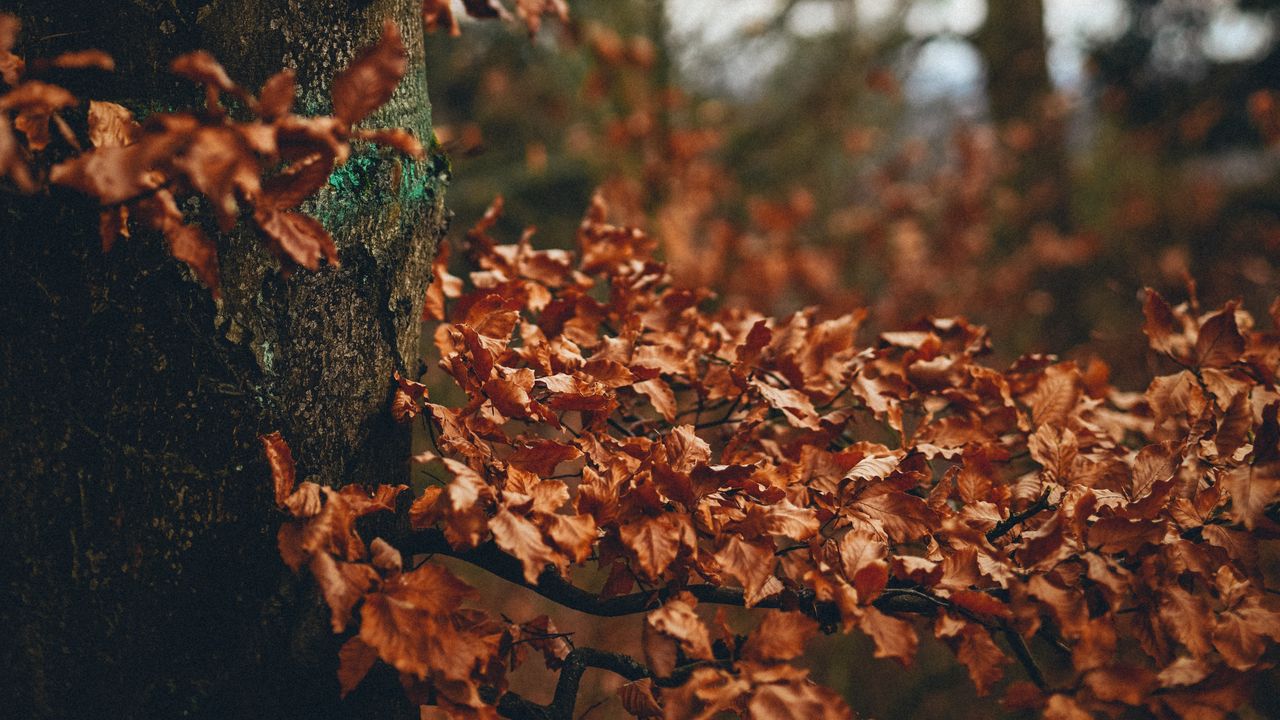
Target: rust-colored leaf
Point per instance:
(276, 97)
(750, 563)
(638, 700)
(653, 542)
(371, 78)
(438, 14)
(780, 636)
(295, 237)
(521, 538)
(1219, 343)
(355, 659)
(280, 459)
(894, 638)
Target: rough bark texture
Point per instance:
(141, 576)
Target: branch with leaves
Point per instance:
(1010, 508)
(242, 153)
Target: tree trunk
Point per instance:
(142, 578)
(1014, 48)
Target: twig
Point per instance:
(552, 586)
(576, 663)
(593, 707)
(1023, 653)
(1009, 523)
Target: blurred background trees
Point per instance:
(1029, 164)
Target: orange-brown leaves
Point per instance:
(111, 125)
(438, 14)
(145, 172)
(343, 585)
(522, 539)
(901, 516)
(296, 238)
(672, 630)
(780, 636)
(749, 563)
(1253, 488)
(1212, 341)
(610, 419)
(655, 541)
(355, 659)
(1219, 343)
(407, 401)
(414, 621)
(974, 647)
(11, 65)
(275, 100)
(280, 458)
(894, 638)
(1162, 327)
(370, 79)
(728, 446)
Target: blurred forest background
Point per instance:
(1029, 164)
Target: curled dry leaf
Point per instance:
(296, 237)
(280, 460)
(11, 66)
(437, 14)
(111, 125)
(397, 139)
(275, 100)
(780, 636)
(371, 78)
(201, 67)
(637, 698)
(675, 626)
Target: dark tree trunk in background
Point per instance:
(1020, 95)
(141, 575)
(1014, 48)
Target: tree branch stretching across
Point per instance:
(552, 586)
(570, 450)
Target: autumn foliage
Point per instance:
(143, 173)
(693, 457)
(627, 447)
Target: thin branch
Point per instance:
(619, 427)
(556, 588)
(1023, 653)
(1009, 523)
(576, 663)
(599, 703)
(724, 418)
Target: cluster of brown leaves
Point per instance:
(613, 421)
(144, 172)
(438, 14)
(908, 239)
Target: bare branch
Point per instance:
(1009, 523)
(576, 663)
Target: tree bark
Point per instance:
(1014, 48)
(142, 578)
